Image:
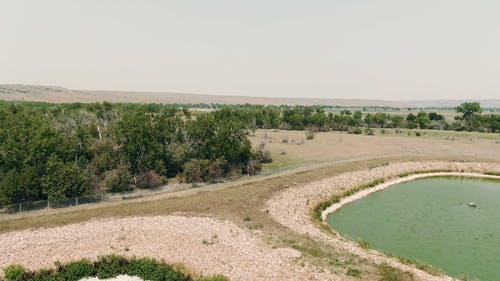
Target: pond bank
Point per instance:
(292, 207)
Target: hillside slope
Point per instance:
(56, 94)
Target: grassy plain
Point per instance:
(296, 162)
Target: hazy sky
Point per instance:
(420, 49)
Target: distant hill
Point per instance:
(454, 103)
(63, 95)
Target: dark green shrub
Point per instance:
(15, 272)
(105, 267)
(196, 170)
(77, 270)
(146, 268)
(45, 275)
(109, 266)
(118, 180)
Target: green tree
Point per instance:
(63, 180)
(468, 110)
(118, 180)
(423, 120)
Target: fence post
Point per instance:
(20, 207)
(48, 204)
(76, 201)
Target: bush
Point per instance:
(104, 267)
(15, 272)
(196, 170)
(149, 179)
(215, 171)
(109, 266)
(369, 132)
(75, 271)
(118, 180)
(263, 156)
(354, 130)
(44, 275)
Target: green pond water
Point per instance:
(429, 220)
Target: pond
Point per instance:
(430, 220)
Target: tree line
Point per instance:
(469, 118)
(54, 151)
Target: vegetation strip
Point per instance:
(105, 267)
(379, 184)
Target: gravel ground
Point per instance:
(205, 245)
(292, 206)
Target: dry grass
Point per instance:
(339, 146)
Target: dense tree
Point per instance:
(423, 120)
(62, 180)
(468, 110)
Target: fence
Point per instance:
(132, 194)
(46, 204)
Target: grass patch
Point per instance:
(389, 273)
(354, 272)
(420, 265)
(364, 244)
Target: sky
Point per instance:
(361, 49)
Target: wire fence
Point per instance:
(131, 194)
(48, 204)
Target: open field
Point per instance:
(245, 205)
(339, 146)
